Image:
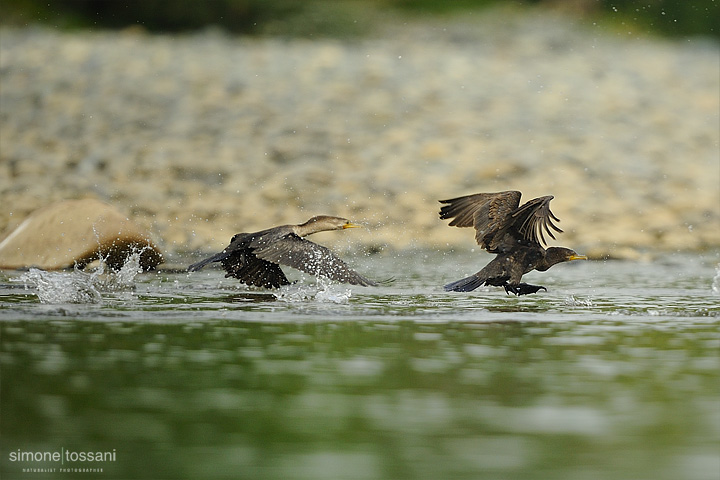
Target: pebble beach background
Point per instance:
(197, 137)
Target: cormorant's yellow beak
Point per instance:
(577, 257)
(351, 225)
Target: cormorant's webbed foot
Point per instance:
(522, 288)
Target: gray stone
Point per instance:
(76, 232)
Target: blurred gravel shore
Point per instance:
(198, 137)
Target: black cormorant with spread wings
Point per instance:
(515, 233)
(255, 258)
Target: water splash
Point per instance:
(63, 287)
(716, 281)
(79, 286)
(332, 295)
(124, 278)
(324, 291)
(571, 301)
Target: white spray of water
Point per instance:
(79, 286)
(324, 291)
(124, 278)
(332, 295)
(63, 287)
(716, 281)
(571, 301)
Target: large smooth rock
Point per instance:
(76, 232)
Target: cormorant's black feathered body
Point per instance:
(514, 233)
(255, 258)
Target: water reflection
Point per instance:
(366, 399)
(250, 297)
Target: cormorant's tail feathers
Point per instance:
(466, 284)
(215, 258)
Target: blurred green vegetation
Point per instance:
(341, 18)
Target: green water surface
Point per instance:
(614, 373)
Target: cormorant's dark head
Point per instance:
(555, 255)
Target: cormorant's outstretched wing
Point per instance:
(215, 258)
(489, 213)
(239, 261)
(251, 270)
(238, 242)
(309, 257)
(534, 219)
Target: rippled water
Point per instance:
(612, 373)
